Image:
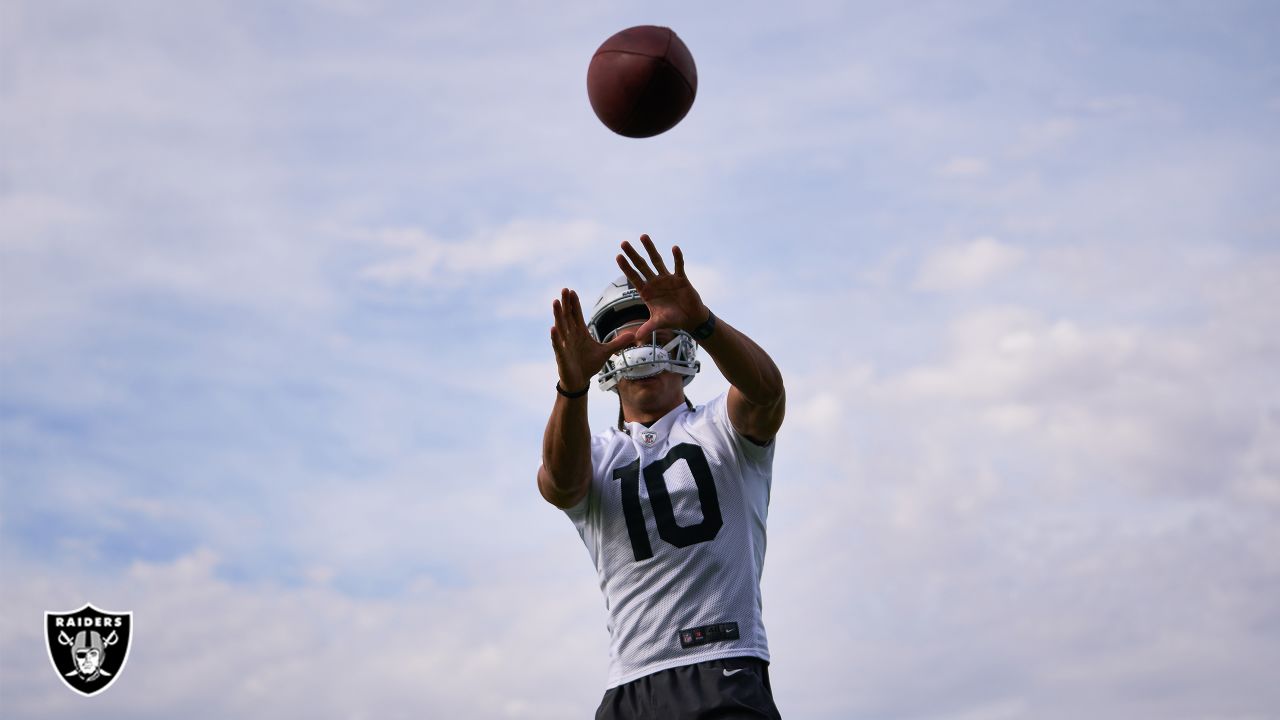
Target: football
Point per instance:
(642, 81)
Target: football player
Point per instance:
(672, 502)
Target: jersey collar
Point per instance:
(653, 434)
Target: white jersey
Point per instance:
(675, 523)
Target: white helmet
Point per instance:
(619, 305)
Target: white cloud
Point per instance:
(424, 259)
(1040, 494)
(1045, 136)
(1258, 472)
(968, 266)
(964, 167)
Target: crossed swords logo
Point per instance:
(88, 650)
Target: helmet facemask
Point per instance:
(677, 355)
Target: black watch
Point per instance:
(703, 331)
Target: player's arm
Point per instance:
(757, 400)
(565, 474)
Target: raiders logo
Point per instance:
(88, 647)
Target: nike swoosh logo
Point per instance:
(727, 673)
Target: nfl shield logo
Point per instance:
(649, 438)
(88, 647)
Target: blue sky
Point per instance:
(275, 284)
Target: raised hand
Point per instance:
(578, 355)
(672, 301)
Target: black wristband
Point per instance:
(703, 331)
(572, 395)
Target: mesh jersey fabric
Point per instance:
(674, 521)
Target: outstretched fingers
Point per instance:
(654, 255)
(632, 276)
(638, 261)
(638, 271)
(562, 312)
(567, 310)
(573, 308)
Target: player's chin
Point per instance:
(652, 391)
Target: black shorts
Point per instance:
(726, 689)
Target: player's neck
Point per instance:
(649, 416)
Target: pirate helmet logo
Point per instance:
(88, 647)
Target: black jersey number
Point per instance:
(660, 500)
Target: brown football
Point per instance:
(642, 81)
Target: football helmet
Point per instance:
(620, 305)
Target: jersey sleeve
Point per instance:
(581, 513)
(599, 449)
(748, 450)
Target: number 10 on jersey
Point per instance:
(660, 501)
